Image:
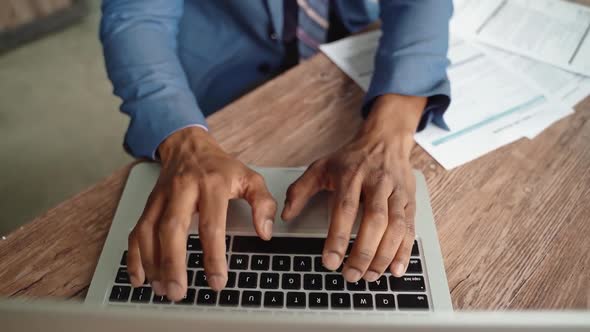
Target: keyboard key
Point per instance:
(238, 262)
(360, 285)
(251, 298)
(124, 258)
(334, 282)
(412, 302)
(385, 301)
(379, 284)
(195, 260)
(189, 297)
(122, 276)
(302, 264)
(340, 300)
(278, 245)
(269, 280)
(318, 300)
(260, 263)
(190, 274)
(407, 284)
(229, 298)
(193, 243)
(206, 297)
(296, 300)
(415, 250)
(318, 265)
(120, 293)
(273, 299)
(312, 281)
(141, 295)
(415, 266)
(362, 300)
(291, 281)
(231, 279)
(161, 299)
(201, 279)
(248, 280)
(281, 263)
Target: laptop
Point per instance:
(279, 276)
(17, 315)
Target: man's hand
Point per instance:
(374, 166)
(196, 175)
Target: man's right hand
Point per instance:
(196, 175)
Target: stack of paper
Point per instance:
(498, 96)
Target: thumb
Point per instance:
(264, 206)
(300, 191)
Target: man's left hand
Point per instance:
(373, 168)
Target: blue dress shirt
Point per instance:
(174, 62)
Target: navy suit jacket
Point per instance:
(173, 62)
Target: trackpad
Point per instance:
(313, 219)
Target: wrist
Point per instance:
(190, 139)
(393, 120)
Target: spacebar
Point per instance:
(278, 245)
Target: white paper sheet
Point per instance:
(491, 105)
(552, 31)
(569, 88)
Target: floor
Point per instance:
(60, 128)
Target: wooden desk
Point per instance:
(514, 226)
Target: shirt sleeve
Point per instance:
(139, 41)
(412, 55)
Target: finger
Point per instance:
(149, 244)
(402, 257)
(370, 233)
(213, 212)
(344, 211)
(300, 191)
(173, 232)
(392, 238)
(134, 267)
(264, 206)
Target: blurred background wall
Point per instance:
(60, 128)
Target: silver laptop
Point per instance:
(281, 275)
(17, 315)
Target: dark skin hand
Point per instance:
(374, 166)
(198, 176)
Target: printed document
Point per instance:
(491, 105)
(551, 31)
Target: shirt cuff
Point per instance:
(158, 120)
(412, 76)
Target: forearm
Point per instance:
(411, 58)
(139, 44)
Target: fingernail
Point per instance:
(351, 274)
(217, 282)
(268, 228)
(331, 261)
(174, 290)
(158, 289)
(399, 270)
(371, 276)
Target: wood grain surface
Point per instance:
(14, 13)
(514, 225)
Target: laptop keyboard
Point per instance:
(283, 273)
